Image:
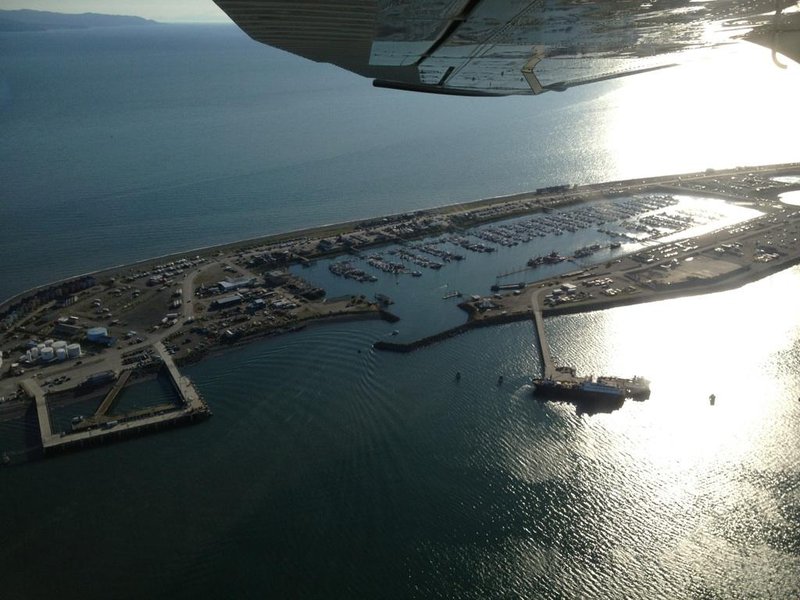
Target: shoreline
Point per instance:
(726, 285)
(315, 232)
(205, 318)
(199, 327)
(319, 321)
(517, 317)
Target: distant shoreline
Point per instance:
(26, 20)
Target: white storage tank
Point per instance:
(34, 353)
(48, 343)
(47, 354)
(74, 350)
(61, 353)
(59, 344)
(40, 346)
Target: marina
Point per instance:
(331, 469)
(183, 307)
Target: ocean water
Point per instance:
(118, 145)
(330, 470)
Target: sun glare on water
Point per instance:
(731, 107)
(735, 345)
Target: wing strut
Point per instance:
(530, 76)
(778, 10)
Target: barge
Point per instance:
(605, 393)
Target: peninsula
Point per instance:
(89, 336)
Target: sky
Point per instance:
(194, 11)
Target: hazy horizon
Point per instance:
(177, 11)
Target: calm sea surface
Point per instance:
(117, 145)
(330, 470)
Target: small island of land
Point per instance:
(89, 336)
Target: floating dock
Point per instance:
(103, 428)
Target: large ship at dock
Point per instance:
(550, 259)
(586, 251)
(577, 390)
(603, 390)
(637, 388)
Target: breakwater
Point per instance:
(404, 347)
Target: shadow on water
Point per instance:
(32, 434)
(588, 407)
(30, 448)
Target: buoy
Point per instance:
(500, 380)
(458, 375)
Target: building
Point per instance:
(226, 301)
(325, 245)
(258, 304)
(231, 285)
(569, 288)
(276, 277)
(67, 330)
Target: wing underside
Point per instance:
(502, 47)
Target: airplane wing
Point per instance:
(503, 47)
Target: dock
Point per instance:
(35, 391)
(548, 367)
(102, 427)
(108, 401)
(188, 394)
(590, 395)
